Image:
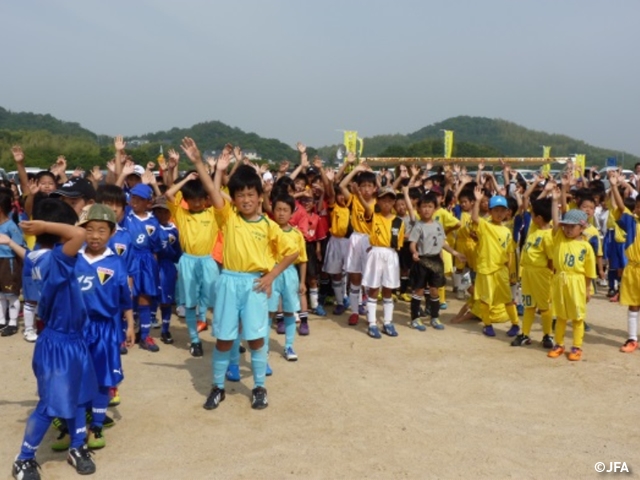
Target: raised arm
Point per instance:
(121, 156)
(190, 148)
(614, 180)
(170, 194)
(407, 200)
(73, 237)
(555, 215)
(344, 184)
(475, 212)
(18, 157)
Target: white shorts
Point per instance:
(335, 258)
(382, 268)
(357, 257)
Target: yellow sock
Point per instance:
(578, 333)
(547, 320)
(527, 320)
(561, 326)
(513, 313)
(485, 313)
(442, 295)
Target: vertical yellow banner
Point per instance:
(351, 141)
(546, 168)
(448, 143)
(580, 164)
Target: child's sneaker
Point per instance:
(26, 469)
(320, 311)
(96, 439)
(488, 331)
(303, 329)
(547, 342)
(443, 306)
(80, 459)
(556, 351)
(201, 326)
(362, 309)
(405, 297)
(166, 338)
(587, 327)
(216, 396)
(629, 346)
(513, 331)
(339, 309)
(374, 332)
(30, 335)
(149, 345)
(233, 373)
(418, 325)
(62, 442)
(259, 398)
(9, 330)
(108, 422)
(389, 329)
(520, 310)
(437, 324)
(290, 355)
(354, 318)
(115, 397)
(195, 349)
(280, 327)
(575, 355)
(521, 340)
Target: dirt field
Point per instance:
(438, 404)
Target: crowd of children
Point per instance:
(257, 246)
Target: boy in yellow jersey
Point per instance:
(492, 276)
(359, 239)
(251, 244)
(197, 271)
(630, 285)
(574, 267)
(449, 223)
(536, 273)
(382, 268)
(465, 242)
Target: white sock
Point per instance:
(632, 325)
(372, 304)
(338, 291)
(14, 309)
(387, 309)
(457, 280)
(354, 297)
(3, 310)
(29, 315)
(313, 298)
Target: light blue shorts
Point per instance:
(198, 276)
(286, 287)
(238, 303)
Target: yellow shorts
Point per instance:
(493, 288)
(569, 296)
(536, 287)
(497, 313)
(630, 286)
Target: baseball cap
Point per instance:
(76, 188)
(574, 217)
(160, 202)
(386, 191)
(143, 191)
(97, 211)
(498, 201)
(138, 170)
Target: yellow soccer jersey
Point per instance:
(465, 243)
(447, 219)
(538, 249)
(359, 223)
(386, 232)
(339, 218)
(573, 257)
(198, 231)
(296, 237)
(631, 226)
(494, 243)
(251, 246)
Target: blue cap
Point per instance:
(498, 201)
(575, 217)
(143, 191)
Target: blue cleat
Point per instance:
(513, 331)
(320, 311)
(233, 373)
(488, 331)
(443, 306)
(374, 332)
(390, 330)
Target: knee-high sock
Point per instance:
(165, 311)
(442, 296)
(338, 292)
(354, 297)
(29, 315)
(387, 310)
(404, 284)
(289, 330)
(612, 276)
(144, 312)
(512, 311)
(266, 337)
(313, 298)
(190, 320)
(99, 406)
(527, 320)
(14, 309)
(259, 365)
(234, 353)
(153, 308)
(561, 326)
(35, 430)
(78, 428)
(372, 304)
(485, 313)
(415, 306)
(457, 279)
(220, 364)
(578, 333)
(434, 306)
(3, 310)
(632, 325)
(546, 319)
(202, 311)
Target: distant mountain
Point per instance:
(34, 121)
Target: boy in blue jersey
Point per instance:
(103, 279)
(61, 363)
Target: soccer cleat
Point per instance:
(587, 327)
(521, 340)
(80, 459)
(233, 373)
(405, 297)
(195, 349)
(166, 338)
(123, 349)
(547, 342)
(443, 306)
(418, 325)
(374, 332)
(303, 329)
(30, 335)
(268, 372)
(575, 354)
(437, 324)
(201, 326)
(389, 329)
(556, 351)
(629, 346)
(259, 398)
(488, 331)
(216, 396)
(520, 310)
(149, 345)
(108, 422)
(513, 331)
(2, 326)
(62, 442)
(115, 397)
(9, 330)
(353, 319)
(26, 469)
(280, 327)
(290, 355)
(362, 309)
(320, 311)
(95, 438)
(339, 309)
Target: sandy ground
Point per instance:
(438, 404)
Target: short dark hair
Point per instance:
(630, 203)
(542, 207)
(428, 198)
(111, 194)
(366, 177)
(303, 177)
(193, 189)
(6, 198)
(468, 194)
(284, 182)
(245, 177)
(512, 204)
(46, 173)
(415, 193)
(56, 211)
(284, 198)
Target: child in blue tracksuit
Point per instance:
(61, 362)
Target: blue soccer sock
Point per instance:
(234, 354)
(266, 337)
(202, 311)
(78, 428)
(35, 430)
(259, 365)
(99, 406)
(190, 319)
(144, 313)
(612, 276)
(165, 311)
(289, 330)
(220, 365)
(154, 308)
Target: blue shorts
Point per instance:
(614, 251)
(238, 303)
(168, 277)
(286, 286)
(198, 278)
(30, 291)
(144, 272)
(103, 339)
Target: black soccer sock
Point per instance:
(404, 284)
(434, 306)
(303, 317)
(415, 307)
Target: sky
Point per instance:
(299, 70)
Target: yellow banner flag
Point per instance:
(546, 168)
(580, 164)
(351, 141)
(448, 143)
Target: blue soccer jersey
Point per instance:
(144, 233)
(120, 244)
(171, 249)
